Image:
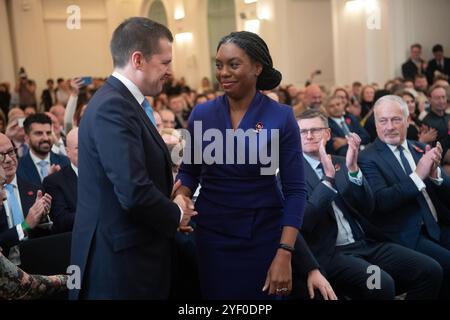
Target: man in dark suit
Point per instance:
(415, 64)
(40, 161)
(439, 65)
(345, 244)
(62, 186)
(24, 207)
(341, 125)
(411, 191)
(48, 97)
(125, 220)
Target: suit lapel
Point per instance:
(119, 86)
(389, 159)
(311, 177)
(154, 133)
(27, 196)
(31, 168)
(71, 177)
(416, 151)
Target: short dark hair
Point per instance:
(41, 118)
(255, 47)
(137, 34)
(416, 45)
(312, 114)
(438, 48)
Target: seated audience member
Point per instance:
(58, 143)
(40, 161)
(367, 101)
(17, 284)
(415, 64)
(59, 112)
(62, 186)
(14, 131)
(341, 125)
(29, 110)
(439, 65)
(416, 131)
(313, 99)
(410, 189)
(24, 207)
(337, 230)
(2, 122)
(158, 121)
(437, 118)
(168, 118)
(369, 121)
(178, 106)
(199, 99)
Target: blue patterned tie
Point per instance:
(405, 162)
(149, 111)
(17, 214)
(43, 168)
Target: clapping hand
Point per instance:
(325, 159)
(351, 159)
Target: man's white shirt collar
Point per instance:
(74, 168)
(36, 160)
(137, 94)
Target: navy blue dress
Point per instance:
(241, 209)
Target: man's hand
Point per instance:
(429, 162)
(40, 208)
(54, 168)
(317, 281)
(351, 159)
(325, 159)
(437, 157)
(187, 206)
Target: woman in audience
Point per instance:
(17, 284)
(417, 131)
(246, 230)
(367, 101)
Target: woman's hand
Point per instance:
(279, 276)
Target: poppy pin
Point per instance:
(418, 149)
(337, 167)
(30, 193)
(348, 121)
(259, 126)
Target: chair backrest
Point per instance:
(46, 255)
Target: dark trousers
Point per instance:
(401, 270)
(441, 253)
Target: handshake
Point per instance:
(180, 195)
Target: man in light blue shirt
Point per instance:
(335, 226)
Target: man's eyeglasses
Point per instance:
(314, 131)
(11, 153)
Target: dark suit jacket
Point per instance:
(409, 70)
(320, 226)
(28, 172)
(336, 131)
(432, 67)
(400, 208)
(46, 99)
(125, 221)
(9, 236)
(62, 186)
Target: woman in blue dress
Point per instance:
(245, 229)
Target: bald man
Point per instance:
(24, 207)
(312, 99)
(62, 186)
